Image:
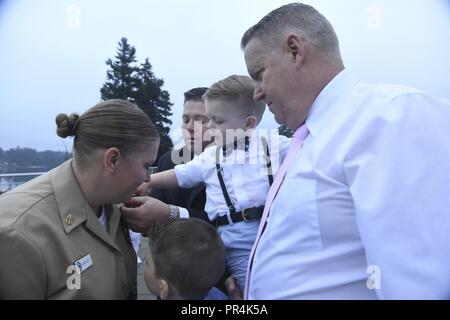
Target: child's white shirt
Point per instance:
(244, 172)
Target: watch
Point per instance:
(174, 212)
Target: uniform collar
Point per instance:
(74, 209)
(72, 206)
(326, 105)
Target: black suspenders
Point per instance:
(219, 170)
(269, 162)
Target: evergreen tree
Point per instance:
(122, 79)
(156, 103)
(285, 131)
(126, 80)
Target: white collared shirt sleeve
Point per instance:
(191, 174)
(397, 166)
(184, 213)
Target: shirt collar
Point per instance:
(74, 209)
(327, 101)
(72, 206)
(241, 144)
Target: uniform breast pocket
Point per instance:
(294, 223)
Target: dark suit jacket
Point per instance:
(193, 199)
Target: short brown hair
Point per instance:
(238, 89)
(189, 254)
(112, 123)
(195, 94)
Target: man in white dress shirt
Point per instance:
(364, 208)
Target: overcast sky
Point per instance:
(53, 52)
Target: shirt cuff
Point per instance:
(184, 214)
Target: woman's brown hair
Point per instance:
(112, 123)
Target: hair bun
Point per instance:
(66, 125)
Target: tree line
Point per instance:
(30, 157)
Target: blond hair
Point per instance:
(238, 89)
(112, 123)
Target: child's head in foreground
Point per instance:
(186, 259)
(231, 109)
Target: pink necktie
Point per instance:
(296, 143)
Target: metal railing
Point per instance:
(7, 175)
(9, 181)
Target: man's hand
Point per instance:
(233, 290)
(144, 212)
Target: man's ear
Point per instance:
(250, 122)
(296, 48)
(111, 157)
(164, 289)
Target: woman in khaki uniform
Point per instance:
(61, 234)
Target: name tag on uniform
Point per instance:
(83, 263)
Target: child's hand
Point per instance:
(142, 190)
(233, 290)
(130, 204)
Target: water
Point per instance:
(8, 183)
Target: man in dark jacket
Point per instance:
(190, 202)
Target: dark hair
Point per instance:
(189, 254)
(195, 94)
(112, 123)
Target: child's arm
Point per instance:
(164, 180)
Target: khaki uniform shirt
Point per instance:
(46, 226)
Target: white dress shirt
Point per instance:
(244, 173)
(369, 193)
